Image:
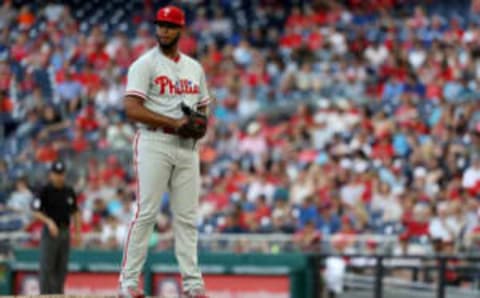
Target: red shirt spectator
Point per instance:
(113, 169)
(255, 77)
(315, 40)
(297, 19)
(320, 17)
(383, 148)
(46, 153)
(413, 227)
(79, 143)
(308, 238)
(20, 49)
(90, 79)
(124, 56)
(234, 181)
(262, 210)
(86, 120)
(291, 39)
(99, 59)
(447, 73)
(302, 117)
(6, 105)
(434, 91)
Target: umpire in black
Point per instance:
(55, 206)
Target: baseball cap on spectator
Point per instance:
(58, 167)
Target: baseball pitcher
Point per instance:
(167, 96)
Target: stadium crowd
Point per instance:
(331, 119)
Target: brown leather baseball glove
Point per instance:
(196, 126)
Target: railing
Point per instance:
(263, 243)
(375, 278)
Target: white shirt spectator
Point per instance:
(53, 12)
(247, 107)
(242, 54)
(120, 135)
(443, 229)
(417, 57)
(220, 25)
(471, 175)
(334, 274)
(301, 189)
(110, 97)
(376, 55)
(351, 193)
(113, 231)
(260, 187)
(20, 201)
(389, 206)
(338, 42)
(442, 226)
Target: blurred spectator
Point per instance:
(20, 200)
(443, 228)
(70, 91)
(7, 121)
(52, 124)
(7, 14)
(113, 233)
(53, 11)
(471, 176)
(254, 143)
(329, 221)
(386, 203)
(4, 181)
(120, 135)
(25, 18)
(335, 269)
(87, 121)
(308, 239)
(234, 222)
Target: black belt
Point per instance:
(167, 130)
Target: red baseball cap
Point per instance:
(171, 14)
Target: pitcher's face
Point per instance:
(168, 34)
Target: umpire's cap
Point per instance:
(170, 14)
(58, 167)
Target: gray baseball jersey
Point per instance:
(164, 83)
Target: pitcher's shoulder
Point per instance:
(191, 61)
(146, 57)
